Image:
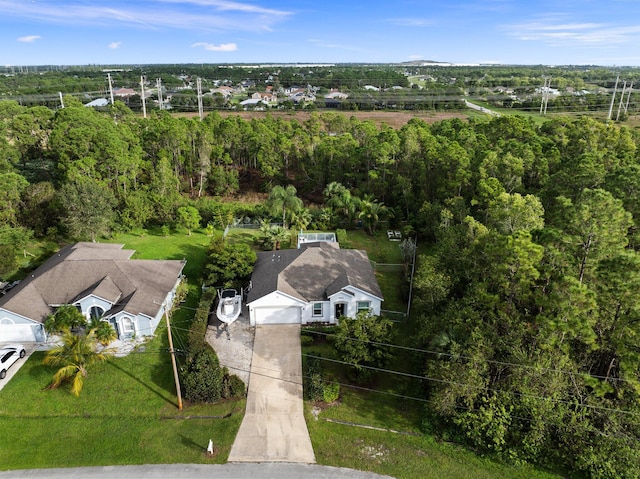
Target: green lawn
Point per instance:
(127, 412)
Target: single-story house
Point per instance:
(317, 283)
(102, 281)
(98, 102)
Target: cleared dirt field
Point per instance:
(394, 119)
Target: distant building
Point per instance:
(98, 102)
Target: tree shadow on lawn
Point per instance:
(159, 380)
(191, 444)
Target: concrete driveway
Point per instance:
(273, 428)
(29, 348)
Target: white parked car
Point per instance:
(9, 354)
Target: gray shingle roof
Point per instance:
(312, 273)
(105, 270)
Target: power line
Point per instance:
(462, 356)
(454, 383)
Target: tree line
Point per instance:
(525, 307)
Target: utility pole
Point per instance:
(61, 100)
(613, 98)
(144, 104)
(545, 96)
(159, 85)
(624, 90)
(110, 87)
(173, 359)
(199, 88)
(626, 107)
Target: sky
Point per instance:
(531, 32)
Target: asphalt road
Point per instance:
(196, 471)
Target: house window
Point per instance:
(95, 312)
(317, 309)
(364, 306)
(127, 325)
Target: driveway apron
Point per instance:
(273, 428)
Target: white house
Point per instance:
(102, 281)
(317, 283)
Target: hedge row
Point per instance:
(202, 377)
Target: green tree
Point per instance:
(189, 217)
(11, 241)
(87, 208)
(229, 265)
(38, 209)
(598, 225)
(74, 357)
(509, 213)
(11, 187)
(358, 342)
(282, 200)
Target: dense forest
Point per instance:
(527, 299)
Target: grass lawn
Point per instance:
(127, 412)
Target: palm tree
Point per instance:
(104, 332)
(301, 219)
(73, 357)
(67, 317)
(282, 199)
(274, 235)
(339, 199)
(371, 211)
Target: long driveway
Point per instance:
(273, 428)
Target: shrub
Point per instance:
(343, 240)
(312, 384)
(232, 386)
(330, 391)
(202, 376)
(306, 340)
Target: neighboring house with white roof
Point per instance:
(225, 91)
(98, 102)
(102, 281)
(317, 283)
(252, 103)
(337, 95)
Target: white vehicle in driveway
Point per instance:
(9, 354)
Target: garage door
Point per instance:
(19, 333)
(290, 315)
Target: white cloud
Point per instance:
(228, 6)
(318, 42)
(411, 22)
(115, 45)
(554, 31)
(183, 14)
(223, 47)
(29, 38)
